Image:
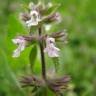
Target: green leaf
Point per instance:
(9, 75)
(32, 56)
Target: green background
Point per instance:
(77, 59)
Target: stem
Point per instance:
(42, 55)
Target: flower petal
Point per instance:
(16, 53)
(31, 22)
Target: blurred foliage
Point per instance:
(78, 57)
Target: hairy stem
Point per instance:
(42, 55)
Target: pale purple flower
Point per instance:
(35, 18)
(50, 47)
(21, 46)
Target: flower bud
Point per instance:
(52, 18)
(31, 81)
(25, 16)
(60, 36)
(55, 17)
(58, 85)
